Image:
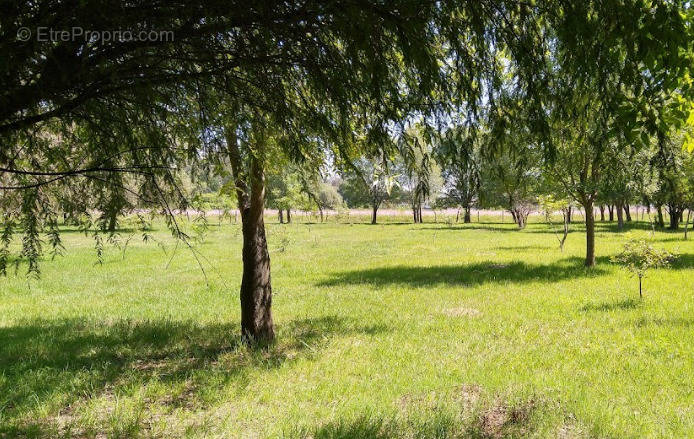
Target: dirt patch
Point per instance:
(461, 312)
(502, 420)
(569, 432)
(469, 394)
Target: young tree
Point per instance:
(550, 205)
(639, 256)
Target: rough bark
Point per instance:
(256, 287)
(620, 216)
(520, 216)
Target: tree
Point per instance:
(580, 158)
(510, 174)
(285, 191)
(673, 182)
(550, 205)
(239, 76)
(368, 182)
(459, 152)
(639, 256)
(420, 176)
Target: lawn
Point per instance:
(428, 330)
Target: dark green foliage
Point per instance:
(116, 120)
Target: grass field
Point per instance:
(430, 330)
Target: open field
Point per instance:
(429, 330)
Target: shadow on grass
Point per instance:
(544, 228)
(682, 262)
(612, 306)
(468, 275)
(480, 226)
(678, 322)
(44, 361)
(527, 247)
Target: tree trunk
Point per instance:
(112, 221)
(610, 209)
(289, 216)
(620, 216)
(256, 287)
(640, 293)
(466, 217)
(568, 215)
(373, 213)
(520, 217)
(660, 220)
(590, 234)
(281, 215)
(627, 211)
(674, 221)
(602, 213)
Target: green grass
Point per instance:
(431, 330)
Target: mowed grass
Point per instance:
(429, 330)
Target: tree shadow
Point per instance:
(612, 306)
(467, 275)
(510, 228)
(44, 360)
(613, 227)
(682, 262)
(679, 322)
(527, 247)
